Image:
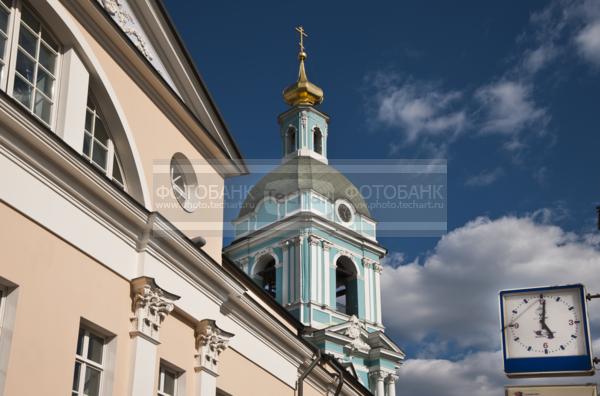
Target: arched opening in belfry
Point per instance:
(264, 274)
(318, 141)
(346, 287)
(290, 140)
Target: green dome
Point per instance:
(305, 173)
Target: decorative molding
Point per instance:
(151, 305)
(377, 267)
(354, 331)
(125, 21)
(210, 342)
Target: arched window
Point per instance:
(264, 274)
(318, 141)
(290, 140)
(98, 145)
(31, 77)
(346, 286)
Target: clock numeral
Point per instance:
(571, 322)
(545, 345)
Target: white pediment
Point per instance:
(123, 14)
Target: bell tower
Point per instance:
(306, 236)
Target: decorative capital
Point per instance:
(327, 245)
(377, 375)
(377, 267)
(391, 378)
(151, 305)
(313, 239)
(210, 342)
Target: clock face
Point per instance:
(548, 323)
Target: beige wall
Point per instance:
(57, 286)
(157, 139)
(239, 376)
(177, 348)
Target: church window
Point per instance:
(290, 141)
(265, 274)
(318, 141)
(98, 145)
(346, 286)
(34, 77)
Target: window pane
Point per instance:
(2, 45)
(30, 20)
(3, 19)
(48, 40)
(88, 120)
(25, 65)
(76, 375)
(42, 108)
(100, 132)
(95, 346)
(47, 58)
(99, 156)
(169, 387)
(45, 83)
(91, 387)
(23, 92)
(87, 144)
(117, 174)
(80, 342)
(27, 41)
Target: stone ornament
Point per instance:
(354, 331)
(125, 21)
(210, 342)
(151, 305)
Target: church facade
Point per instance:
(306, 236)
(112, 275)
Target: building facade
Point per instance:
(306, 236)
(112, 280)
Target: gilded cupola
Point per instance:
(302, 92)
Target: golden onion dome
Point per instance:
(302, 92)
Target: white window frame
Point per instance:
(8, 77)
(9, 293)
(111, 154)
(179, 379)
(85, 362)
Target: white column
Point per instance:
(73, 98)
(284, 274)
(367, 279)
(378, 268)
(299, 279)
(210, 342)
(312, 243)
(326, 258)
(151, 306)
(377, 384)
(390, 383)
(320, 274)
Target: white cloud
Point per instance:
(485, 178)
(419, 109)
(535, 59)
(447, 303)
(508, 108)
(588, 42)
(452, 295)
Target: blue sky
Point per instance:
(507, 92)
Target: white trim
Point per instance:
(9, 293)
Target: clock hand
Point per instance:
(550, 333)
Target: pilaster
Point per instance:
(211, 341)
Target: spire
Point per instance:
(302, 92)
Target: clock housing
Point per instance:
(545, 331)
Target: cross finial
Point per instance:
(303, 34)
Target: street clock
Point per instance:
(545, 332)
